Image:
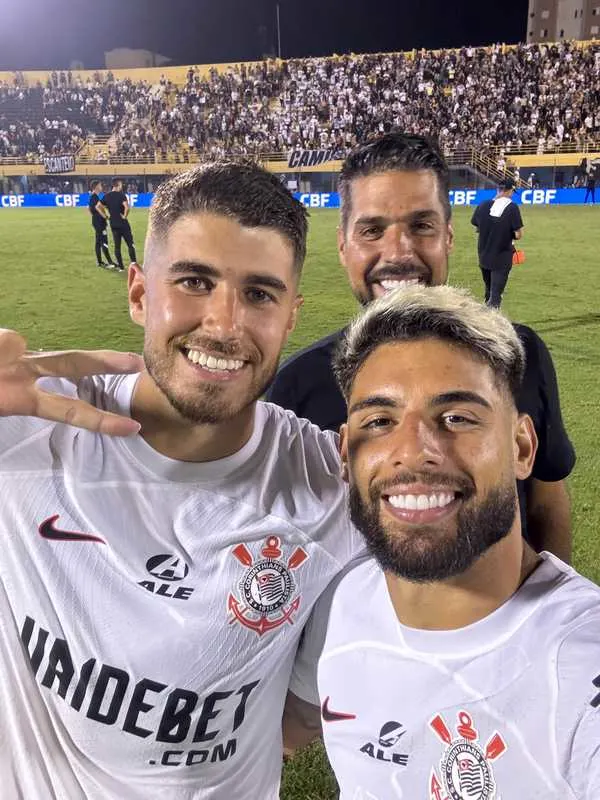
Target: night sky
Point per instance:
(47, 34)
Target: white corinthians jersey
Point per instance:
(505, 709)
(150, 609)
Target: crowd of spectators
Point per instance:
(548, 95)
(475, 97)
(59, 117)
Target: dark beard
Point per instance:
(422, 556)
(208, 407)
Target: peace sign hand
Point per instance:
(20, 395)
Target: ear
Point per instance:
(136, 292)
(341, 244)
(344, 451)
(292, 321)
(450, 236)
(525, 446)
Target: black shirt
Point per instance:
(496, 234)
(305, 384)
(115, 202)
(98, 221)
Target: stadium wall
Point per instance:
(86, 170)
(458, 197)
(177, 75)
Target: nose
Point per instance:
(223, 313)
(397, 245)
(417, 444)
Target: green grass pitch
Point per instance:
(52, 292)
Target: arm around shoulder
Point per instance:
(301, 723)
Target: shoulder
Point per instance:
(108, 392)
(297, 476)
(573, 614)
(30, 443)
(315, 354)
(572, 619)
(302, 442)
(343, 608)
(306, 384)
(362, 578)
(534, 346)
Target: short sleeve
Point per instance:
(578, 708)
(555, 457)
(303, 682)
(475, 219)
(584, 761)
(517, 223)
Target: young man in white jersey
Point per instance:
(153, 587)
(456, 663)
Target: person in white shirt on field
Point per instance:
(153, 587)
(455, 662)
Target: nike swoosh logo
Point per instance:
(48, 531)
(333, 716)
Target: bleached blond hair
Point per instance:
(437, 312)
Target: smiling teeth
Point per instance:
(392, 283)
(210, 362)
(420, 502)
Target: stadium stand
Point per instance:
(497, 101)
(41, 120)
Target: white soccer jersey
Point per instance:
(150, 609)
(505, 709)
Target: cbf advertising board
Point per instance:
(458, 197)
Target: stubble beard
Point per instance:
(212, 404)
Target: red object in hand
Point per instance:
(518, 257)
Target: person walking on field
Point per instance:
(590, 183)
(118, 208)
(499, 223)
(99, 216)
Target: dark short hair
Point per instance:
(241, 190)
(440, 312)
(115, 181)
(394, 151)
(94, 183)
(507, 185)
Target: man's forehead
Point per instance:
(396, 191)
(429, 366)
(222, 241)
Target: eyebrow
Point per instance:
(197, 267)
(460, 396)
(413, 216)
(446, 398)
(373, 401)
(206, 271)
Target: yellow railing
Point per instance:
(91, 153)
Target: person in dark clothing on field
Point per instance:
(396, 230)
(118, 207)
(590, 183)
(499, 223)
(99, 216)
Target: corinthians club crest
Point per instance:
(465, 768)
(266, 587)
